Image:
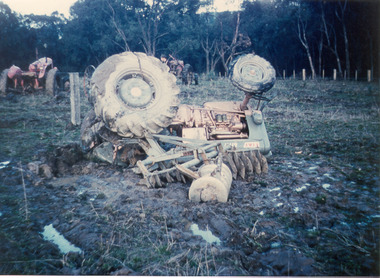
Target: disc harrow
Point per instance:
(178, 163)
(210, 166)
(246, 163)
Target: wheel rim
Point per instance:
(136, 91)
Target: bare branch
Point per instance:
(118, 30)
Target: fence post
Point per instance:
(369, 75)
(323, 74)
(75, 98)
(294, 74)
(356, 75)
(283, 74)
(334, 74)
(303, 74)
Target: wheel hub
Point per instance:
(135, 92)
(253, 73)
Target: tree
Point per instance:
(303, 32)
(331, 36)
(183, 26)
(89, 37)
(209, 41)
(291, 34)
(340, 13)
(236, 46)
(271, 28)
(47, 32)
(15, 40)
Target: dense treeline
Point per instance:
(291, 34)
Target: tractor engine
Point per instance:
(214, 121)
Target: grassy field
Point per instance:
(321, 132)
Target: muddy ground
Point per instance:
(315, 213)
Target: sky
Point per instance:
(40, 7)
(47, 7)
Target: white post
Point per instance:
(303, 74)
(369, 75)
(283, 74)
(334, 74)
(323, 74)
(75, 98)
(356, 75)
(294, 74)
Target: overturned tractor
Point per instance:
(137, 121)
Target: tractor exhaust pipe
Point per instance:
(243, 105)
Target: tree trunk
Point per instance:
(207, 49)
(320, 51)
(332, 48)
(224, 49)
(118, 29)
(345, 35)
(303, 39)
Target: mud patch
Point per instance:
(315, 213)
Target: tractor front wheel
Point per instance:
(252, 74)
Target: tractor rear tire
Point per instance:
(252, 74)
(51, 85)
(134, 94)
(4, 80)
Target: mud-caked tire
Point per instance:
(90, 128)
(252, 74)
(4, 80)
(134, 94)
(51, 83)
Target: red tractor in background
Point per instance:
(41, 74)
(181, 70)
